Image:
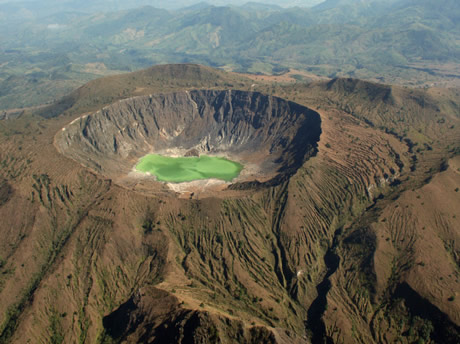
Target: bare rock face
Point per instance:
(271, 134)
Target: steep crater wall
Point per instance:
(271, 135)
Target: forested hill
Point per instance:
(44, 56)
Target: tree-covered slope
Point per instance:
(405, 42)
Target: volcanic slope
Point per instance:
(360, 243)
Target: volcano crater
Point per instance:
(270, 136)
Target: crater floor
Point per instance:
(270, 136)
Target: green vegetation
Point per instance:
(185, 169)
(387, 41)
(55, 328)
(5, 192)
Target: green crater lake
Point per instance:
(186, 169)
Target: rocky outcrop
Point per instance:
(273, 134)
(154, 316)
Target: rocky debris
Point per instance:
(192, 152)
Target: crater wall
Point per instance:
(271, 134)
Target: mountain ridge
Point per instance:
(338, 251)
(406, 42)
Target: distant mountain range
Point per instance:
(399, 41)
(89, 6)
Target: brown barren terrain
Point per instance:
(360, 243)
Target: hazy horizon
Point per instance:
(118, 5)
